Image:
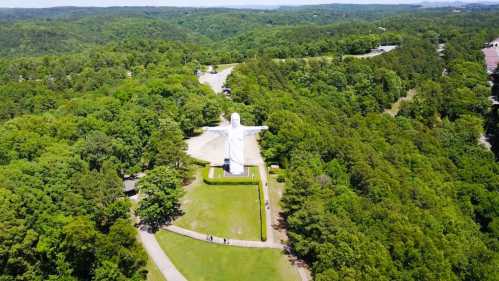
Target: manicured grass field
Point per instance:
(222, 210)
(203, 261)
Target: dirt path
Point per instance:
(396, 106)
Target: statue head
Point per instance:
(235, 120)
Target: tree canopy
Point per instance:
(90, 95)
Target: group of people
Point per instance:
(210, 238)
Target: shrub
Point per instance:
(281, 177)
(199, 162)
(274, 170)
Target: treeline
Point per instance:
(304, 41)
(371, 197)
(64, 150)
(70, 29)
(37, 84)
(89, 95)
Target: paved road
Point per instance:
(220, 240)
(375, 52)
(215, 81)
(159, 257)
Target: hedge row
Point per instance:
(263, 217)
(228, 180)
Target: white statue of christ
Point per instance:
(234, 141)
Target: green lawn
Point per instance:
(203, 261)
(222, 210)
(153, 273)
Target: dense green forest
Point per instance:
(92, 94)
(377, 198)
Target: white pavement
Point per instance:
(220, 240)
(217, 80)
(159, 257)
(376, 52)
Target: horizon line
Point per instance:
(258, 6)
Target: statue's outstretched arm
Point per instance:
(251, 130)
(218, 130)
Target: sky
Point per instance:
(192, 3)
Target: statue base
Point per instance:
(234, 169)
(246, 173)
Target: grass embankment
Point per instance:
(200, 260)
(222, 67)
(153, 273)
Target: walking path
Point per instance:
(220, 240)
(159, 257)
(396, 106)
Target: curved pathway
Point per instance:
(159, 257)
(220, 240)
